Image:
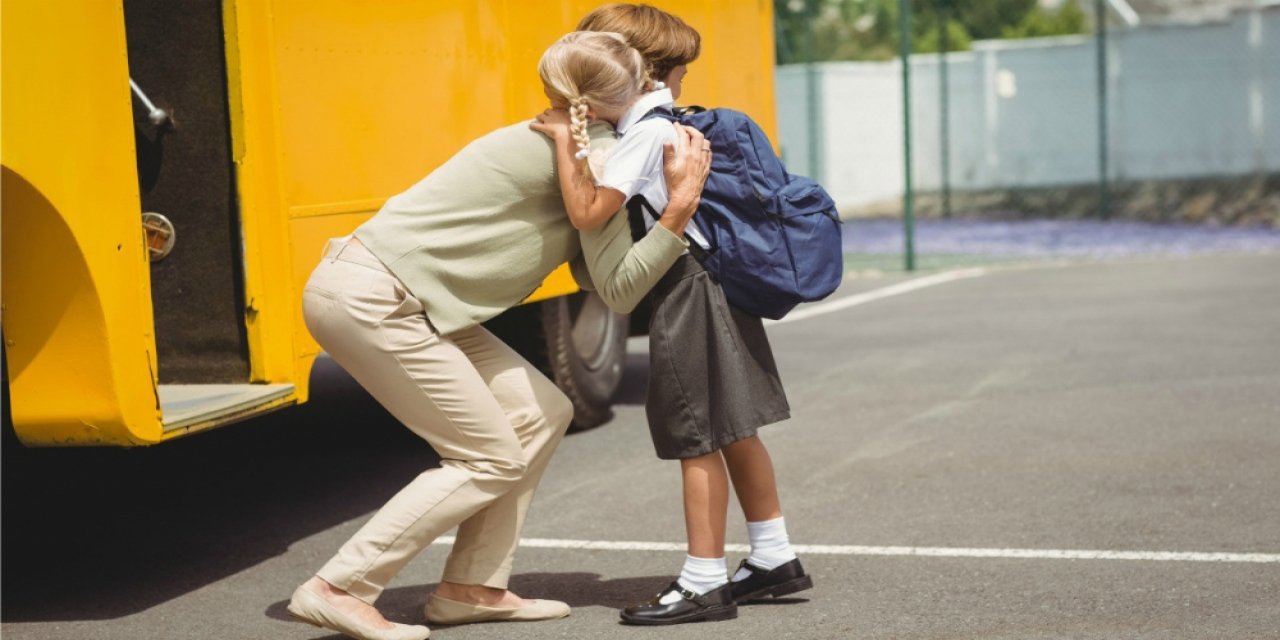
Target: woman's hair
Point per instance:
(664, 40)
(592, 69)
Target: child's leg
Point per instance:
(752, 471)
(706, 505)
(753, 480)
(702, 592)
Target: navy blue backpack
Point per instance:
(775, 237)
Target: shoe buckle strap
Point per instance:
(684, 593)
(688, 595)
(751, 567)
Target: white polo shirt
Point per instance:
(634, 165)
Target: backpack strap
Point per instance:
(674, 113)
(660, 112)
(638, 205)
(636, 208)
(635, 216)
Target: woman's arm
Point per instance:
(623, 272)
(588, 206)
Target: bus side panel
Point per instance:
(77, 307)
(735, 68)
(338, 106)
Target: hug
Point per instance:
(399, 305)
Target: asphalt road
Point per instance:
(1130, 406)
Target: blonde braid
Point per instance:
(578, 126)
(592, 70)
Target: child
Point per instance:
(713, 380)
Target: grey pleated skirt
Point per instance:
(712, 376)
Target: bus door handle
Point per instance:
(158, 117)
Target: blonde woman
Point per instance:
(399, 304)
(713, 381)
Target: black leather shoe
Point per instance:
(716, 604)
(783, 580)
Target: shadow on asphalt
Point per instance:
(93, 534)
(578, 589)
(96, 534)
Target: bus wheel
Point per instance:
(586, 348)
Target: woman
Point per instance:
(399, 306)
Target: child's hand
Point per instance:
(554, 123)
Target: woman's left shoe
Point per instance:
(310, 607)
(445, 611)
(716, 604)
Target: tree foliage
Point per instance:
(822, 30)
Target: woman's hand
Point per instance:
(685, 166)
(554, 123)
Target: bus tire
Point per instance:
(586, 350)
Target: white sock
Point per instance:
(770, 547)
(699, 575)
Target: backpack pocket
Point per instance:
(802, 196)
(810, 228)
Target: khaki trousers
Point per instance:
(490, 415)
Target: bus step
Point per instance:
(206, 405)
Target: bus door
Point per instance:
(177, 67)
(87, 361)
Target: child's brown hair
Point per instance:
(664, 40)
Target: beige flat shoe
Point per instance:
(312, 609)
(445, 611)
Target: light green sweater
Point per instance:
(481, 232)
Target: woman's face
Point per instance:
(674, 80)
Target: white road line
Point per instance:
(932, 552)
(846, 302)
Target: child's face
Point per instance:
(675, 79)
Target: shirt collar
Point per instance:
(647, 102)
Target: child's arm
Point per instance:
(588, 206)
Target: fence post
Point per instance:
(944, 108)
(811, 93)
(908, 213)
(1100, 29)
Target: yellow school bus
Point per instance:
(171, 171)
